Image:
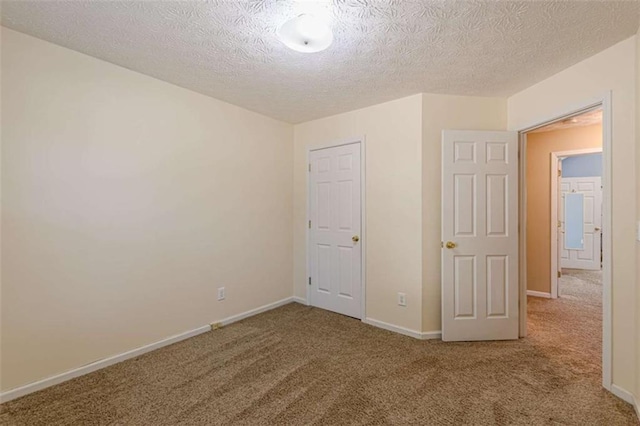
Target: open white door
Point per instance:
(480, 235)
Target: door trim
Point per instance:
(363, 232)
(556, 157)
(604, 102)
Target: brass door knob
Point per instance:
(451, 245)
(355, 238)
(596, 229)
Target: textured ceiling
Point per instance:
(383, 49)
(587, 119)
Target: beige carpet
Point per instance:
(298, 365)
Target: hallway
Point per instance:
(569, 329)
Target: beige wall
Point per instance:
(393, 203)
(116, 201)
(403, 141)
(444, 112)
(610, 70)
(539, 149)
(126, 202)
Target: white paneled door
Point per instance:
(335, 248)
(479, 235)
(586, 254)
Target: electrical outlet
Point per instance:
(221, 293)
(402, 299)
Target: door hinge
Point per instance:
(309, 280)
(559, 274)
(559, 173)
(309, 166)
(309, 224)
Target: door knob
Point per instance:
(596, 229)
(355, 238)
(451, 245)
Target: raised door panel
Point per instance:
(465, 289)
(324, 276)
(323, 205)
(497, 202)
(497, 286)
(345, 206)
(345, 271)
(465, 205)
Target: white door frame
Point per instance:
(604, 102)
(363, 234)
(556, 157)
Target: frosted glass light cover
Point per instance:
(305, 33)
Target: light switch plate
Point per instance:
(402, 299)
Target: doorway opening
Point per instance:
(565, 244)
(576, 211)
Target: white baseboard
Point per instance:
(402, 330)
(97, 365)
(627, 396)
(395, 328)
(256, 311)
(106, 362)
(430, 335)
(623, 394)
(538, 294)
(300, 300)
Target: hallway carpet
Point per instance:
(298, 365)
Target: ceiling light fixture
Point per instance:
(305, 33)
